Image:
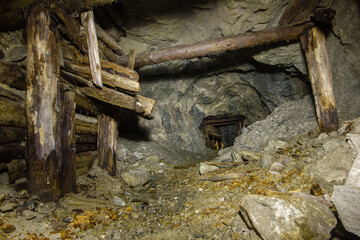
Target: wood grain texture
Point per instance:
(107, 143)
(43, 107)
(314, 46)
(88, 22)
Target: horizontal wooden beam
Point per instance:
(220, 45)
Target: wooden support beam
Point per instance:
(86, 125)
(108, 40)
(68, 173)
(86, 147)
(44, 156)
(9, 152)
(84, 162)
(85, 139)
(13, 75)
(314, 46)
(107, 143)
(71, 29)
(11, 134)
(132, 57)
(108, 78)
(219, 45)
(88, 22)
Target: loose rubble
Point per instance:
(279, 188)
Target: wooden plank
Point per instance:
(84, 162)
(9, 152)
(314, 46)
(85, 139)
(12, 113)
(108, 40)
(11, 134)
(88, 22)
(131, 61)
(220, 45)
(221, 177)
(13, 75)
(107, 143)
(127, 72)
(108, 54)
(85, 125)
(68, 173)
(43, 107)
(13, 94)
(108, 78)
(85, 147)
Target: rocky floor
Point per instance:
(244, 193)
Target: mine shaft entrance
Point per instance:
(220, 131)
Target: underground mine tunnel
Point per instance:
(184, 119)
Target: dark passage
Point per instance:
(220, 131)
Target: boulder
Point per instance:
(287, 217)
(346, 199)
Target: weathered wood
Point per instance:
(84, 162)
(127, 72)
(108, 54)
(85, 147)
(110, 96)
(85, 139)
(12, 12)
(221, 177)
(13, 94)
(132, 57)
(12, 113)
(108, 78)
(11, 134)
(71, 29)
(13, 75)
(75, 79)
(314, 46)
(88, 22)
(107, 143)
(16, 169)
(298, 11)
(44, 154)
(9, 152)
(68, 173)
(219, 45)
(108, 40)
(85, 125)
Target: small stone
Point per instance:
(7, 228)
(8, 207)
(205, 168)
(119, 202)
(265, 160)
(250, 156)
(68, 219)
(28, 214)
(276, 168)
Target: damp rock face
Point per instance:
(287, 217)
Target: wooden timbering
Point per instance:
(43, 106)
(313, 44)
(68, 176)
(88, 21)
(107, 143)
(131, 61)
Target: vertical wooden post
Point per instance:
(107, 143)
(88, 22)
(68, 175)
(313, 44)
(131, 62)
(44, 156)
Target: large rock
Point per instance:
(136, 176)
(346, 199)
(287, 217)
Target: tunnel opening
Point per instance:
(220, 131)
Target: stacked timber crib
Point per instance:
(59, 107)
